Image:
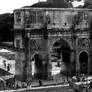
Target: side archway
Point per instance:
(39, 68)
(83, 59)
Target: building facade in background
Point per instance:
(53, 40)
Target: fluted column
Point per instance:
(27, 64)
(73, 63)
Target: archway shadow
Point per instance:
(41, 71)
(61, 52)
(83, 58)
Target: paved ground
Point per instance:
(53, 88)
(47, 89)
(50, 88)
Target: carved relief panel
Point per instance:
(83, 43)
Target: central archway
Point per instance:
(61, 56)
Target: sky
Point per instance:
(7, 6)
(76, 3)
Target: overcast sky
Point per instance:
(7, 6)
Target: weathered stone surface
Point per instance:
(57, 35)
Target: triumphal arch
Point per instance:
(54, 41)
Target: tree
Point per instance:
(6, 24)
(87, 4)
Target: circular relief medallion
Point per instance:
(85, 42)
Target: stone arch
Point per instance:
(61, 50)
(40, 69)
(56, 39)
(32, 56)
(83, 60)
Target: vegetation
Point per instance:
(6, 24)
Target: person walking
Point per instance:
(40, 83)
(28, 84)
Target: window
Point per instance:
(27, 19)
(33, 17)
(4, 63)
(30, 17)
(18, 17)
(8, 67)
(17, 43)
(85, 16)
(40, 17)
